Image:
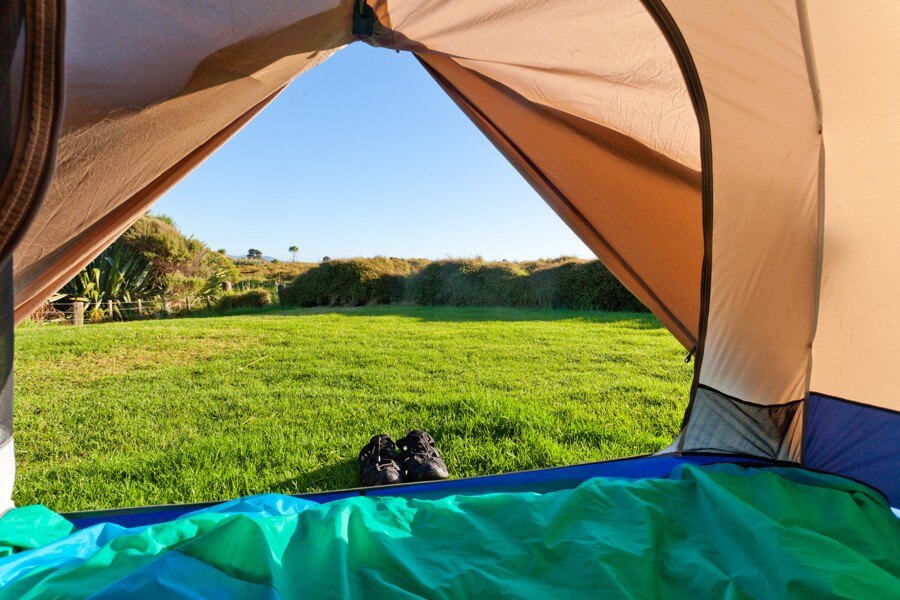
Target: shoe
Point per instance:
(420, 459)
(378, 462)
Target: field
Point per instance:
(194, 409)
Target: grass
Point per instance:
(196, 409)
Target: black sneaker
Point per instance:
(378, 462)
(421, 460)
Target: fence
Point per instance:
(77, 313)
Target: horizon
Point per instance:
(326, 258)
(439, 189)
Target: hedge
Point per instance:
(560, 283)
(254, 298)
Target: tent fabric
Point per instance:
(32, 81)
(12, 59)
(855, 440)
(765, 159)
(856, 350)
(798, 533)
(7, 348)
(148, 101)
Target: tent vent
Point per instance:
(363, 19)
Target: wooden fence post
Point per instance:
(227, 286)
(140, 308)
(109, 308)
(78, 313)
(187, 304)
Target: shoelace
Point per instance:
(419, 446)
(381, 452)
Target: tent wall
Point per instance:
(30, 96)
(152, 89)
(857, 441)
(853, 421)
(7, 452)
(31, 38)
(856, 354)
(766, 146)
(805, 279)
(12, 58)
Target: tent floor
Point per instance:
(537, 480)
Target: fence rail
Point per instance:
(77, 313)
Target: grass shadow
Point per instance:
(454, 314)
(335, 476)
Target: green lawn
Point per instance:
(196, 409)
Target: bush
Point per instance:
(256, 298)
(590, 286)
(268, 274)
(560, 283)
(471, 282)
(351, 282)
(179, 265)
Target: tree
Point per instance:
(293, 250)
(254, 254)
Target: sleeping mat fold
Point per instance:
(715, 531)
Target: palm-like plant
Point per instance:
(119, 273)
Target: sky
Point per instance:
(364, 155)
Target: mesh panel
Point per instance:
(720, 423)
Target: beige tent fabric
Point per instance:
(856, 354)
(598, 120)
(605, 61)
(141, 101)
(84, 246)
(766, 145)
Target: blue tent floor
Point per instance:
(537, 480)
(646, 527)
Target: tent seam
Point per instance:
(709, 388)
(889, 411)
(682, 52)
(815, 90)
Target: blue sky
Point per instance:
(365, 155)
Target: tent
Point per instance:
(734, 164)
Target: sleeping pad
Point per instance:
(721, 531)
